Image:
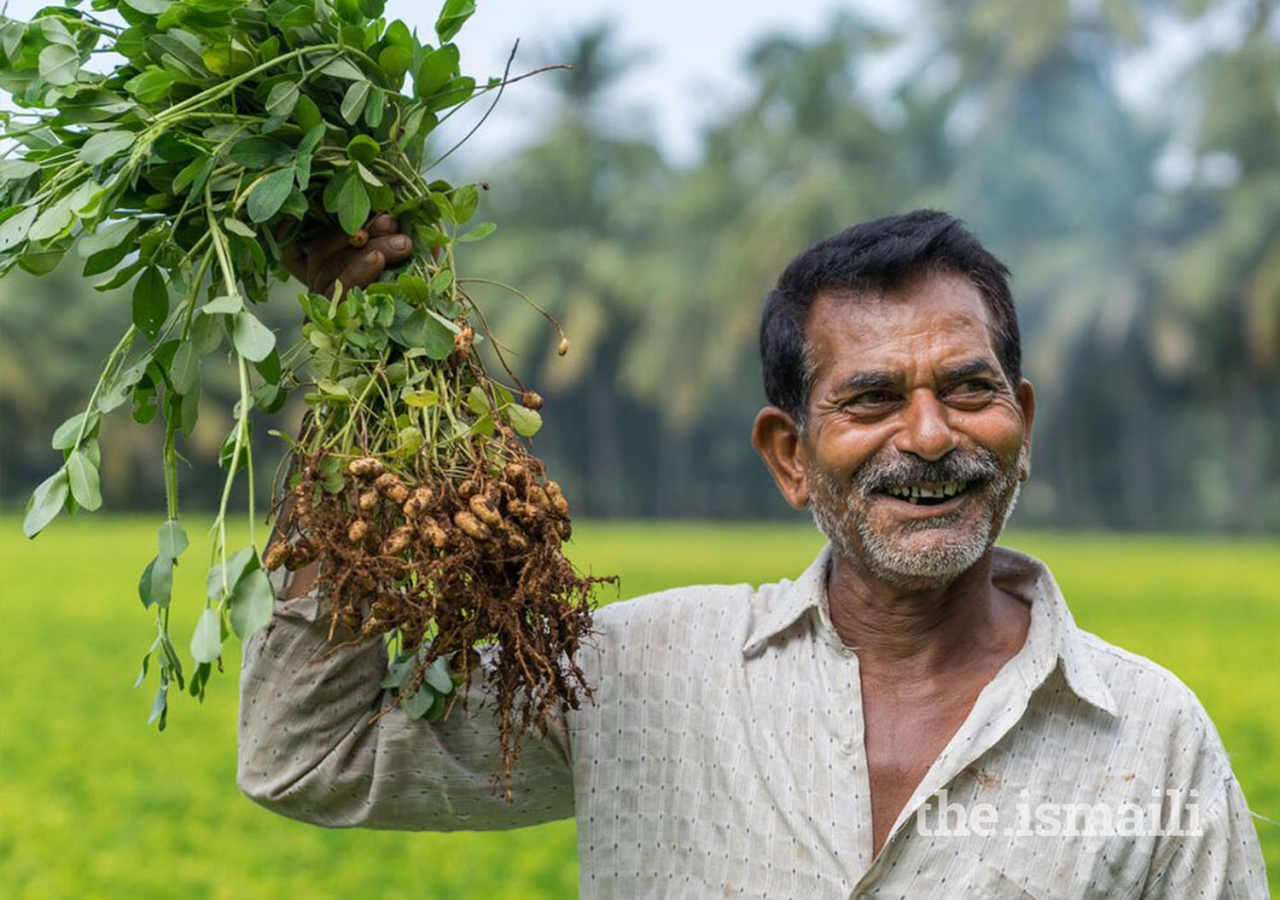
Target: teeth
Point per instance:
(914, 492)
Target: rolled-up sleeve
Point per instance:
(319, 743)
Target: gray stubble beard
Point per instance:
(836, 513)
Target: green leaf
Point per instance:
(396, 62)
(269, 195)
(479, 233)
(251, 338)
(53, 220)
(419, 703)
(228, 304)
(149, 7)
(194, 175)
(353, 204)
(331, 388)
(354, 101)
(251, 603)
(227, 60)
(423, 330)
(150, 302)
(464, 201)
(398, 671)
(11, 33)
(172, 539)
(107, 237)
(269, 368)
(452, 17)
(190, 410)
(13, 230)
(525, 421)
(337, 67)
(436, 69)
(183, 48)
(206, 642)
(441, 282)
(206, 334)
(241, 562)
(160, 705)
(41, 262)
(483, 425)
(151, 86)
(156, 584)
(184, 371)
(363, 148)
(437, 675)
(122, 384)
(106, 144)
(260, 152)
(282, 99)
(307, 114)
(235, 226)
(59, 64)
(288, 15)
(47, 500)
(83, 477)
(421, 398)
(477, 400)
(65, 437)
(17, 169)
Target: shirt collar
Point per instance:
(1053, 638)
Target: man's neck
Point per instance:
(923, 632)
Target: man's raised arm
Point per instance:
(320, 742)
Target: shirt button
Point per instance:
(847, 748)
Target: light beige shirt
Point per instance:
(724, 757)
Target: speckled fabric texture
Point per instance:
(724, 757)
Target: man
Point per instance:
(916, 716)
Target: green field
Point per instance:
(94, 804)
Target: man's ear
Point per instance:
(1027, 403)
(777, 440)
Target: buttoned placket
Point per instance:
(843, 682)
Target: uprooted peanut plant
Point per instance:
(227, 131)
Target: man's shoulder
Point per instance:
(1135, 680)
(1153, 700)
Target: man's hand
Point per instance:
(333, 257)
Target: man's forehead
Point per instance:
(943, 316)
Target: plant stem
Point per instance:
(125, 343)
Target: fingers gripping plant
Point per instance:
(230, 131)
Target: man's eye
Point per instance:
(873, 398)
(973, 387)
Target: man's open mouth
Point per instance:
(928, 493)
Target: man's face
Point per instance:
(915, 443)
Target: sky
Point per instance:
(695, 50)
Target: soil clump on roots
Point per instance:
(445, 564)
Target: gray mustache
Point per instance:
(978, 466)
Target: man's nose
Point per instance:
(926, 431)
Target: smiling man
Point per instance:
(917, 715)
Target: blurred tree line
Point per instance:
(1143, 233)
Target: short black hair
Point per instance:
(882, 255)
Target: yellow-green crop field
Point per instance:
(95, 804)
